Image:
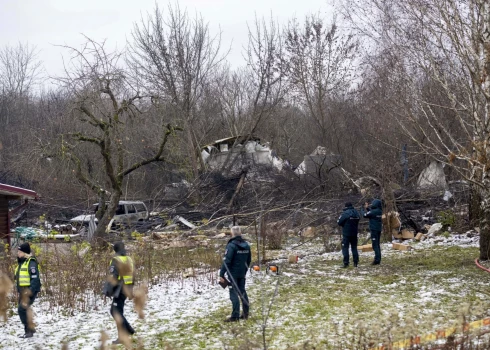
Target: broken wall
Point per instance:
(321, 168)
(240, 156)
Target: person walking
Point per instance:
(374, 214)
(235, 264)
(349, 221)
(28, 282)
(120, 287)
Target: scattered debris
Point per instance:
(433, 176)
(365, 248)
(406, 234)
(447, 196)
(365, 184)
(220, 235)
(309, 232)
(419, 237)
(403, 247)
(179, 218)
(31, 233)
(434, 229)
(317, 159)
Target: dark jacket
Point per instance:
(237, 258)
(374, 215)
(33, 269)
(349, 220)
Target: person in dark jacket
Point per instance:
(28, 282)
(120, 287)
(349, 220)
(235, 264)
(374, 214)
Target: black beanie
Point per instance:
(348, 204)
(119, 247)
(25, 247)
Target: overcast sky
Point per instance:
(46, 23)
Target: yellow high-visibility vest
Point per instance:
(24, 276)
(128, 279)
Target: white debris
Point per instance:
(434, 229)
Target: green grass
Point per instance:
(320, 305)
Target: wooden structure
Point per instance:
(8, 193)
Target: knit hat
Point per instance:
(25, 247)
(119, 248)
(348, 204)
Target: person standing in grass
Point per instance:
(374, 214)
(120, 287)
(28, 284)
(236, 263)
(349, 221)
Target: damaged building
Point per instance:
(320, 167)
(239, 152)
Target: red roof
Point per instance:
(13, 191)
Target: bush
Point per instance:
(274, 236)
(73, 274)
(446, 218)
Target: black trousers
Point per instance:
(22, 309)
(117, 307)
(375, 239)
(352, 242)
(236, 295)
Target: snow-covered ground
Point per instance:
(168, 306)
(174, 304)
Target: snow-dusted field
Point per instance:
(317, 301)
(169, 305)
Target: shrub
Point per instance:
(446, 218)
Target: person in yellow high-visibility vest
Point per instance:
(28, 284)
(120, 286)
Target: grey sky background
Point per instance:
(47, 23)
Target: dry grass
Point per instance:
(73, 274)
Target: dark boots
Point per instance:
(29, 333)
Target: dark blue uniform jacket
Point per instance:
(374, 215)
(349, 220)
(237, 258)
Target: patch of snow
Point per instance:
(169, 305)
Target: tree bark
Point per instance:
(485, 228)
(104, 221)
(484, 194)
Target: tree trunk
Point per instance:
(474, 207)
(99, 235)
(485, 227)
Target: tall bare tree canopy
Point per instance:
(176, 58)
(319, 63)
(439, 53)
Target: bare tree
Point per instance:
(442, 50)
(251, 95)
(264, 73)
(20, 69)
(176, 57)
(108, 108)
(319, 71)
